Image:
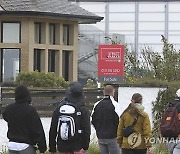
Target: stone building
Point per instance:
(40, 35)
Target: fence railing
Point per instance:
(46, 100)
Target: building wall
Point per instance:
(28, 44)
(142, 23)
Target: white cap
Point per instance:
(178, 93)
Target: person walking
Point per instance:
(174, 147)
(134, 129)
(25, 129)
(70, 113)
(105, 118)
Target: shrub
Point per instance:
(159, 106)
(163, 65)
(91, 84)
(40, 79)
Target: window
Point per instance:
(51, 60)
(52, 30)
(66, 34)
(10, 32)
(37, 59)
(67, 65)
(37, 32)
(9, 64)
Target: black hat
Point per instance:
(75, 93)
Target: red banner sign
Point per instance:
(111, 63)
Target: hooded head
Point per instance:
(75, 93)
(22, 94)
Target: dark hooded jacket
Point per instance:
(24, 124)
(55, 142)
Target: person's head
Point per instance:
(22, 94)
(178, 93)
(109, 90)
(74, 92)
(136, 98)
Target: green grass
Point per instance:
(94, 149)
(160, 149)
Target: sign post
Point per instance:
(111, 63)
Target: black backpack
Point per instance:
(69, 122)
(170, 124)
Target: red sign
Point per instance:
(110, 63)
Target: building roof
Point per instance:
(124, 0)
(48, 8)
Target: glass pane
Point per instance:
(66, 34)
(66, 64)
(52, 33)
(51, 60)
(129, 39)
(174, 16)
(122, 7)
(151, 26)
(37, 59)
(151, 7)
(10, 64)
(151, 16)
(121, 17)
(174, 32)
(174, 39)
(37, 32)
(150, 39)
(92, 7)
(174, 25)
(122, 25)
(11, 33)
(174, 7)
(151, 32)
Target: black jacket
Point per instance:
(70, 146)
(24, 124)
(105, 118)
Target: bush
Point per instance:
(91, 84)
(41, 79)
(163, 65)
(159, 106)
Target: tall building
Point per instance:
(139, 23)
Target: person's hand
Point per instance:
(149, 151)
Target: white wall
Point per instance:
(149, 95)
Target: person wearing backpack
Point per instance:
(25, 129)
(70, 125)
(174, 137)
(134, 130)
(105, 118)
